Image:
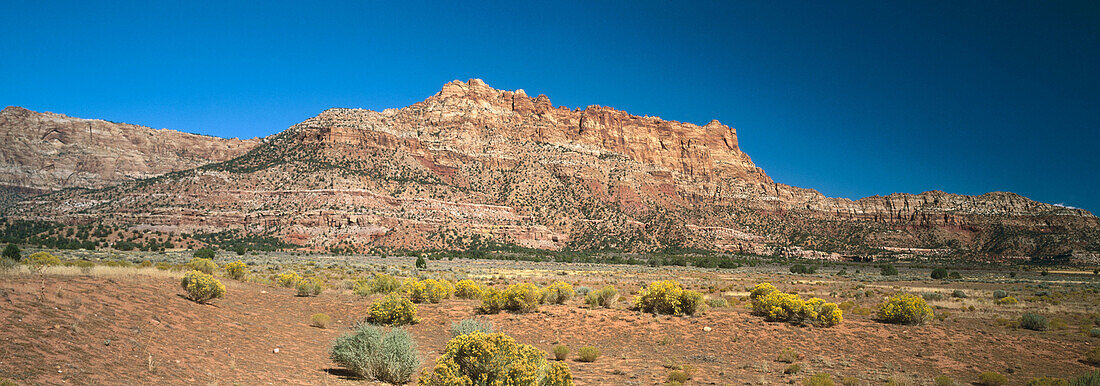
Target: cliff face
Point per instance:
(473, 165)
(44, 152)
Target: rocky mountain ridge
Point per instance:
(473, 166)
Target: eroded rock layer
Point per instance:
(473, 166)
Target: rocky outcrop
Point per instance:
(44, 152)
(473, 166)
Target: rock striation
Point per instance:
(43, 152)
(477, 167)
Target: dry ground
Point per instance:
(128, 326)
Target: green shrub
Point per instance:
(389, 357)
(236, 270)
(393, 310)
(421, 263)
(494, 359)
(1034, 322)
(956, 276)
(1089, 379)
(163, 266)
(677, 377)
(1047, 381)
(1095, 332)
(820, 379)
(802, 269)
(202, 287)
(904, 309)
(84, 265)
(467, 289)
(583, 291)
(990, 378)
(794, 368)
(320, 320)
(310, 287)
(943, 380)
(203, 265)
(932, 296)
(787, 355)
(466, 326)
(558, 293)
(523, 297)
(959, 294)
(11, 252)
(999, 294)
(669, 298)
(204, 253)
(605, 297)
(717, 303)
(939, 274)
(588, 354)
(379, 284)
(889, 270)
(561, 352)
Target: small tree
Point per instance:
(421, 263)
(889, 270)
(12, 252)
(204, 253)
(939, 273)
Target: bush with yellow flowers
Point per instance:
(558, 293)
(905, 309)
(288, 279)
(1006, 301)
(202, 287)
(43, 259)
(777, 306)
(492, 301)
(668, 297)
(393, 310)
(236, 270)
(523, 297)
(495, 359)
(206, 266)
(467, 289)
(427, 290)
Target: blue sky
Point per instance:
(850, 98)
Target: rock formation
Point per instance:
(477, 167)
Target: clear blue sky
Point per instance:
(850, 98)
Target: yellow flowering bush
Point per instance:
(427, 290)
(288, 279)
(559, 293)
(236, 270)
(492, 301)
(495, 359)
(206, 266)
(1007, 300)
(905, 309)
(202, 287)
(44, 259)
(778, 306)
(523, 297)
(393, 310)
(467, 289)
(668, 297)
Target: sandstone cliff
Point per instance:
(45, 151)
(473, 167)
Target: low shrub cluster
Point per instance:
(558, 293)
(1034, 322)
(379, 284)
(466, 326)
(43, 259)
(309, 287)
(775, 305)
(288, 279)
(605, 297)
(588, 354)
(320, 320)
(492, 301)
(393, 310)
(427, 290)
(523, 297)
(904, 309)
(202, 287)
(467, 289)
(495, 359)
(206, 266)
(990, 378)
(236, 270)
(669, 298)
(561, 352)
(1007, 300)
(370, 353)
